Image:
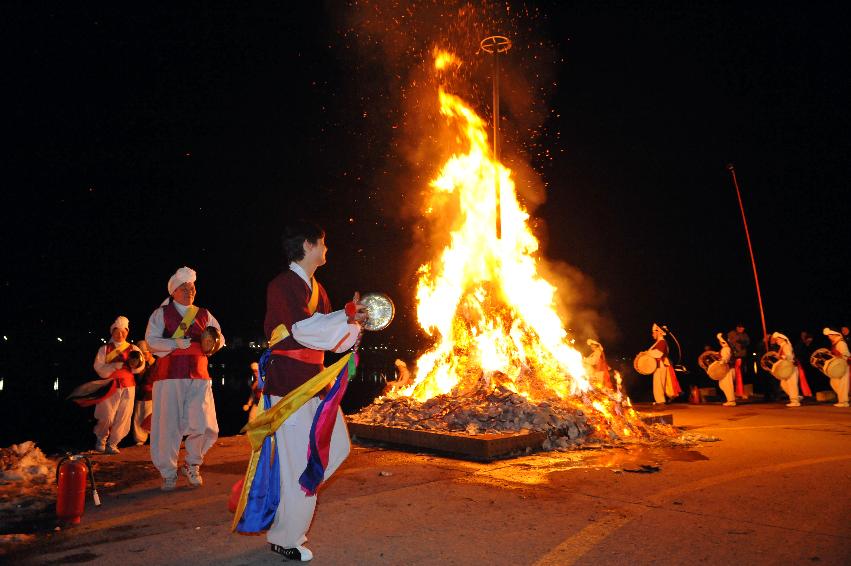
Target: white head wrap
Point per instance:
(721, 340)
(828, 332)
(120, 322)
(181, 276)
(778, 336)
(594, 344)
(656, 327)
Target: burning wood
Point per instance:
(489, 409)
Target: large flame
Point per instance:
(492, 315)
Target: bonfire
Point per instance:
(501, 360)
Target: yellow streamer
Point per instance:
(118, 349)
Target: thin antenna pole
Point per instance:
(732, 171)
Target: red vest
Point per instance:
(662, 346)
(189, 363)
(123, 377)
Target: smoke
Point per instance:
(581, 304)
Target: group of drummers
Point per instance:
(726, 367)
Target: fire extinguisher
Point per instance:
(71, 475)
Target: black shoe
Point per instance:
(299, 553)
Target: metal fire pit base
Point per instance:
(481, 447)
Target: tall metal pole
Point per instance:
(732, 171)
(496, 143)
(495, 45)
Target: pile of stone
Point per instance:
(484, 411)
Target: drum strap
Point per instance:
(188, 319)
(118, 349)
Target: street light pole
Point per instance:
(732, 171)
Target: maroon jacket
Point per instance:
(287, 297)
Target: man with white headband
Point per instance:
(113, 361)
(664, 378)
(790, 385)
(726, 382)
(839, 348)
(182, 393)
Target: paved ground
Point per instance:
(775, 489)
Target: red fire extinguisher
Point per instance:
(71, 475)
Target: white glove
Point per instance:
(183, 343)
(117, 365)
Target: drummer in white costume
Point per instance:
(114, 412)
(790, 386)
(598, 368)
(726, 382)
(664, 380)
(183, 395)
(839, 348)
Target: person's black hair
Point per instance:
(294, 236)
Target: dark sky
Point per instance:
(140, 139)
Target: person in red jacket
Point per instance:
(144, 405)
(113, 413)
(182, 393)
(253, 402)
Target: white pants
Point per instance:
(182, 407)
(841, 387)
(790, 386)
(140, 412)
(295, 512)
(113, 415)
(726, 385)
(662, 384)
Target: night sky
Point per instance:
(140, 139)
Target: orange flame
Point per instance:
(492, 315)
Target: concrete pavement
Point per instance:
(775, 489)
